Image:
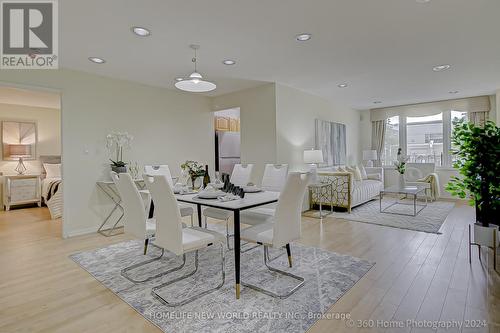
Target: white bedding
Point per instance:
(46, 186)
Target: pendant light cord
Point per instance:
(194, 60)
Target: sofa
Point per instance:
(345, 191)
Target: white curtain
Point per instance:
(378, 136)
(478, 118)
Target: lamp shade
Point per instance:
(19, 150)
(313, 156)
(369, 155)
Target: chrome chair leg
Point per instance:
(272, 269)
(192, 219)
(194, 297)
(126, 270)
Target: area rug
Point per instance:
(428, 220)
(328, 276)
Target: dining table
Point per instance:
(250, 200)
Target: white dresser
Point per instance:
(21, 190)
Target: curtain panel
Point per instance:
(478, 118)
(378, 137)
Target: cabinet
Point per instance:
(20, 190)
(227, 124)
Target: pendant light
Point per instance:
(194, 82)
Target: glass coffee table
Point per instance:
(411, 192)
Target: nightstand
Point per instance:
(21, 190)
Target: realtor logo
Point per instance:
(29, 36)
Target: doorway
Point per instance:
(30, 164)
(227, 140)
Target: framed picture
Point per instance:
(18, 140)
(331, 140)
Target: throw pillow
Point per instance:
(52, 170)
(355, 172)
(363, 172)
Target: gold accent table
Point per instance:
(318, 189)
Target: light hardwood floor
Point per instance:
(417, 276)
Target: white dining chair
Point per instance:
(240, 176)
(171, 236)
(274, 179)
(136, 222)
(164, 170)
(281, 229)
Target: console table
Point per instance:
(109, 188)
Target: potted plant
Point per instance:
(400, 166)
(195, 171)
(477, 151)
(116, 142)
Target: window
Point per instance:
(424, 139)
(391, 141)
(456, 117)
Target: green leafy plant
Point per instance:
(477, 151)
(118, 164)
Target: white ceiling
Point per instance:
(384, 49)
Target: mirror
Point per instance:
(19, 140)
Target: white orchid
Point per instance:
(116, 142)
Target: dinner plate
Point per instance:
(210, 195)
(251, 189)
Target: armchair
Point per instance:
(415, 172)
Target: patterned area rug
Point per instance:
(328, 276)
(428, 220)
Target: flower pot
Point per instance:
(197, 182)
(484, 235)
(119, 169)
(401, 181)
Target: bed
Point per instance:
(52, 184)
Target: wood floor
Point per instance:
(417, 276)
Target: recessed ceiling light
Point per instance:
(179, 79)
(342, 85)
(441, 68)
(303, 37)
(97, 60)
(141, 32)
(454, 92)
(229, 62)
(377, 102)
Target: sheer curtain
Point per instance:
(478, 118)
(378, 136)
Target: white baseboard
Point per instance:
(80, 232)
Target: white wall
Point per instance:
(168, 126)
(49, 132)
(257, 124)
(295, 114)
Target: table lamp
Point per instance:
(19, 151)
(313, 158)
(369, 156)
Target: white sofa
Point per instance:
(345, 191)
